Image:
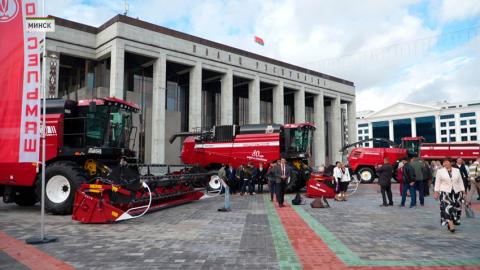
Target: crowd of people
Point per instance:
(454, 184)
(250, 180)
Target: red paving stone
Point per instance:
(29, 255)
(313, 253)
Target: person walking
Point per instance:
(419, 178)
(261, 172)
(385, 173)
(247, 175)
(231, 180)
(240, 175)
(252, 179)
(271, 177)
(463, 172)
(427, 178)
(344, 182)
(337, 177)
(449, 189)
(222, 174)
(400, 174)
(474, 177)
(282, 173)
(409, 184)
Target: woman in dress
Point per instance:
(344, 182)
(449, 189)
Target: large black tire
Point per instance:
(25, 197)
(366, 175)
(62, 180)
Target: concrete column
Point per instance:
(458, 137)
(336, 130)
(391, 136)
(319, 134)
(352, 121)
(227, 98)
(300, 105)
(117, 65)
(254, 101)
(438, 138)
(195, 97)
(278, 104)
(158, 110)
(414, 127)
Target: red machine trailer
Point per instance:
(363, 161)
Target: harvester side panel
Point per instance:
(24, 174)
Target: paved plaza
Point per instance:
(255, 235)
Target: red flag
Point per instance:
(259, 41)
(19, 83)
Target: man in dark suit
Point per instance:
(385, 173)
(282, 175)
(231, 178)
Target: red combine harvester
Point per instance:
(84, 145)
(363, 161)
(259, 143)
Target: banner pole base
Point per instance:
(39, 241)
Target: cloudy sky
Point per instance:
(394, 50)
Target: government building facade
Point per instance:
(183, 82)
(440, 122)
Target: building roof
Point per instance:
(191, 38)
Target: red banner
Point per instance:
(19, 83)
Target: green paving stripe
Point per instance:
(287, 258)
(350, 258)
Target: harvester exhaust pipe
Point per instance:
(183, 134)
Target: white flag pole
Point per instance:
(43, 238)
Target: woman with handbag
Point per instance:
(450, 190)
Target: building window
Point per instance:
(360, 131)
(206, 52)
(380, 130)
(218, 55)
(290, 73)
(464, 138)
(451, 123)
(463, 130)
(463, 122)
(274, 69)
(452, 131)
(473, 122)
(283, 72)
(229, 58)
(360, 138)
(470, 114)
(444, 139)
(194, 48)
(443, 132)
(298, 76)
(443, 124)
(257, 65)
(240, 60)
(426, 128)
(448, 116)
(362, 125)
(305, 77)
(402, 128)
(453, 139)
(473, 129)
(266, 67)
(473, 138)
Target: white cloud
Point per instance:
(451, 10)
(302, 32)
